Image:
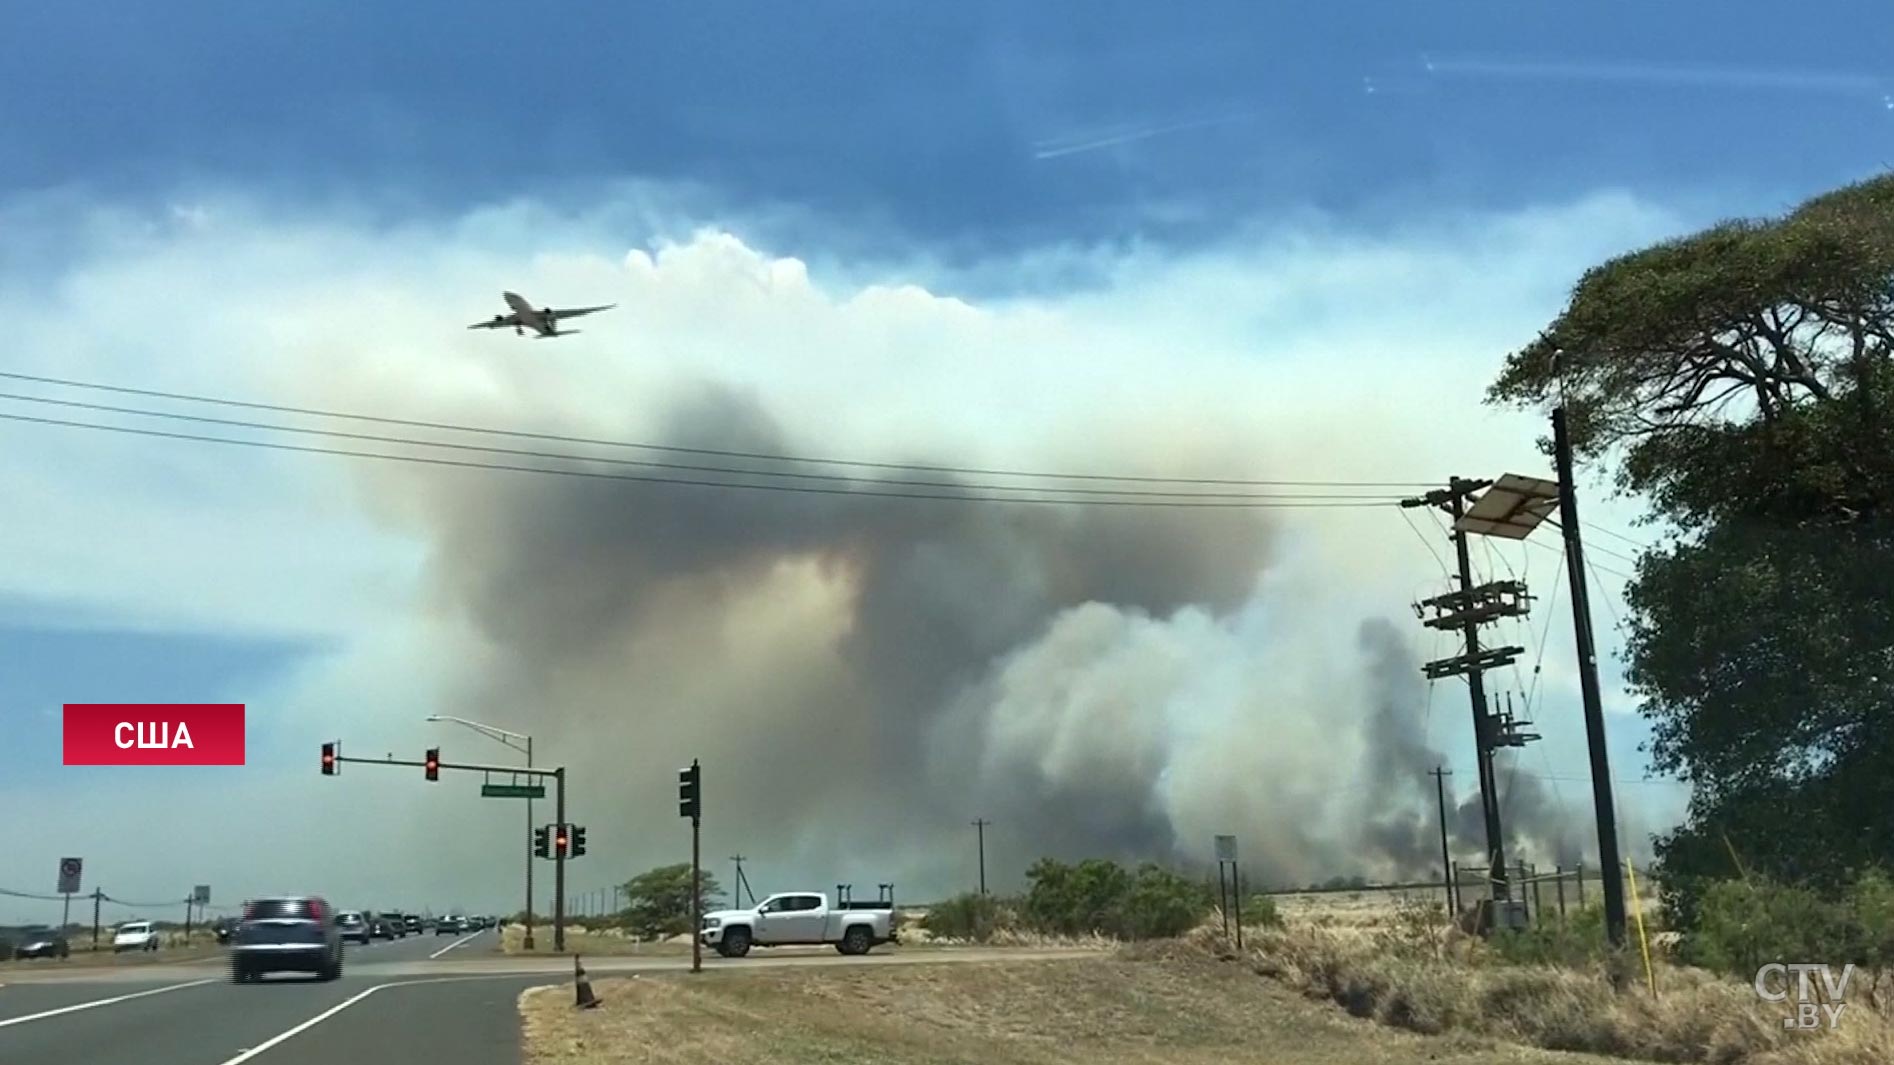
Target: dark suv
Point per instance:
(34, 941)
(286, 933)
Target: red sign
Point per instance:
(154, 733)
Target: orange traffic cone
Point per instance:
(582, 987)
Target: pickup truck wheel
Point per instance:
(735, 943)
(856, 940)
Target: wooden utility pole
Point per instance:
(1446, 856)
(1609, 862)
(980, 827)
(1465, 610)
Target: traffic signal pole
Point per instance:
(331, 764)
(529, 852)
(559, 868)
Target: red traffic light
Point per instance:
(434, 763)
(328, 759)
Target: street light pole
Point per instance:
(513, 740)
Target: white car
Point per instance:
(135, 935)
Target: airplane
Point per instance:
(544, 321)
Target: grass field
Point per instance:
(1186, 1008)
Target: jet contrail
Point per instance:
(1661, 74)
(1052, 148)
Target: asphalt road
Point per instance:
(424, 998)
(191, 1014)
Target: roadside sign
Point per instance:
(69, 875)
(1226, 849)
(513, 791)
(201, 894)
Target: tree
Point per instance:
(1075, 900)
(1742, 379)
(659, 901)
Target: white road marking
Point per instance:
(461, 942)
(252, 1052)
(303, 1027)
(95, 1003)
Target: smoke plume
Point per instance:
(861, 678)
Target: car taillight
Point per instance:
(315, 909)
(249, 910)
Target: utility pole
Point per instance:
(980, 827)
(1446, 856)
(1611, 865)
(742, 884)
(1465, 610)
(98, 896)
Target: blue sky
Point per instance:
(929, 118)
(1005, 152)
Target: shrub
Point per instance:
(1101, 897)
(971, 916)
(1576, 939)
(1260, 911)
(1160, 905)
(1744, 924)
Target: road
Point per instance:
(419, 999)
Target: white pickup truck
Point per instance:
(801, 918)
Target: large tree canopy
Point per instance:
(1742, 379)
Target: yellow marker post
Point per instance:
(1644, 943)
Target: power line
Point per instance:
(1429, 544)
(1276, 504)
(1602, 569)
(646, 464)
(141, 905)
(1619, 555)
(31, 895)
(717, 452)
(1639, 544)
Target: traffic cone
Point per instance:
(582, 987)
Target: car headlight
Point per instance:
(713, 922)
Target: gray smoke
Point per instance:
(862, 678)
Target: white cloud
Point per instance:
(1296, 351)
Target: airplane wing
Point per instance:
(562, 315)
(498, 321)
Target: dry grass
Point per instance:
(1460, 987)
(913, 937)
(1180, 1006)
(578, 941)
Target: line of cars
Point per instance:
(41, 941)
(304, 933)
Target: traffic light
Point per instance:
(578, 841)
(561, 841)
(434, 763)
(542, 842)
(690, 793)
(328, 759)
